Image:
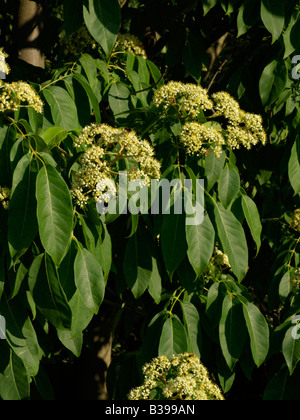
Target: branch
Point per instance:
(122, 2)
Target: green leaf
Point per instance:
(140, 97)
(81, 315)
(71, 340)
(137, 267)
(35, 120)
(294, 166)
(173, 339)
(201, 244)
(225, 375)
(285, 286)
(7, 138)
(208, 5)
(155, 74)
(248, 16)
(103, 20)
(282, 387)
(140, 266)
(232, 330)
(253, 219)
(2, 274)
(233, 240)
(258, 331)
(290, 36)
(44, 386)
(149, 348)
(155, 284)
(54, 213)
(20, 333)
(63, 108)
(93, 100)
(119, 100)
(14, 382)
(229, 186)
(194, 55)
(48, 293)
(291, 350)
(54, 136)
(273, 17)
(191, 321)
(103, 252)
(73, 18)
(143, 71)
(213, 168)
(215, 298)
(273, 81)
(89, 279)
(91, 67)
(173, 241)
(22, 220)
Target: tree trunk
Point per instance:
(95, 362)
(30, 25)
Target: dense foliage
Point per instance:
(226, 290)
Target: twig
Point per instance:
(216, 75)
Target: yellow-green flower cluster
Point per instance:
(198, 138)
(221, 259)
(295, 222)
(131, 43)
(185, 98)
(296, 279)
(5, 193)
(183, 377)
(19, 94)
(243, 129)
(79, 42)
(104, 147)
(4, 67)
(235, 128)
(226, 105)
(218, 264)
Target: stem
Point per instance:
(176, 299)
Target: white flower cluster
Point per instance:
(131, 43)
(4, 67)
(183, 377)
(295, 222)
(5, 193)
(185, 98)
(104, 147)
(19, 94)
